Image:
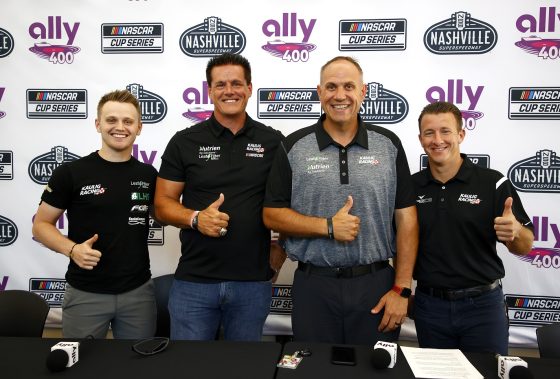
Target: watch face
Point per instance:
(406, 292)
(195, 222)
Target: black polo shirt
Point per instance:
(457, 238)
(211, 160)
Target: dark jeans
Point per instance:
(477, 324)
(337, 310)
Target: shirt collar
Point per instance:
(324, 139)
(463, 175)
(218, 129)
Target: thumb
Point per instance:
(92, 240)
(507, 207)
(348, 205)
(218, 203)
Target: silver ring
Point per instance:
(223, 232)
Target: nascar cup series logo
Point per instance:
(6, 43)
(195, 98)
(290, 26)
(62, 34)
(8, 231)
(372, 35)
(528, 310)
(41, 168)
(534, 103)
(288, 103)
(383, 106)
(281, 303)
(6, 165)
(540, 173)
(460, 34)
(544, 21)
(56, 103)
(52, 290)
(156, 235)
(154, 108)
(482, 160)
(132, 38)
(211, 38)
(2, 89)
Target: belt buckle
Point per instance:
(339, 271)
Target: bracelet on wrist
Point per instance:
(330, 228)
(71, 253)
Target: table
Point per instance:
(22, 357)
(319, 365)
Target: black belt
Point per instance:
(457, 294)
(342, 272)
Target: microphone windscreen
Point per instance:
(57, 360)
(381, 358)
(520, 372)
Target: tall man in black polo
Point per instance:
(211, 185)
(463, 210)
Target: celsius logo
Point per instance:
(52, 290)
(193, 96)
(8, 231)
(526, 310)
(6, 43)
(454, 95)
(383, 106)
(281, 303)
(131, 38)
(289, 51)
(41, 168)
(288, 103)
(540, 173)
(534, 103)
(212, 37)
(460, 34)
(154, 108)
(156, 235)
(482, 160)
(2, 89)
(6, 165)
(543, 47)
(372, 35)
(53, 31)
(56, 103)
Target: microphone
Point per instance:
(513, 368)
(62, 355)
(384, 355)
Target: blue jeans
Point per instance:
(477, 324)
(197, 309)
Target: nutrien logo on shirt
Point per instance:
(460, 34)
(56, 31)
(383, 106)
(154, 107)
(545, 22)
(132, 38)
(288, 27)
(540, 173)
(41, 168)
(468, 198)
(211, 38)
(372, 35)
(209, 153)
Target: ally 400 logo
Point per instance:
(56, 40)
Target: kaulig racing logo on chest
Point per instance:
(460, 34)
(154, 107)
(128, 38)
(540, 173)
(52, 290)
(545, 22)
(41, 168)
(8, 231)
(383, 106)
(288, 103)
(56, 31)
(6, 43)
(534, 103)
(57, 103)
(212, 37)
(372, 35)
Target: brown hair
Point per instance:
(120, 96)
(442, 107)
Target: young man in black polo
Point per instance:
(211, 185)
(463, 209)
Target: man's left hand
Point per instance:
(395, 311)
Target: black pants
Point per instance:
(338, 310)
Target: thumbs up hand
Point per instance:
(84, 255)
(506, 226)
(345, 225)
(211, 220)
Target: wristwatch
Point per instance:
(194, 223)
(403, 291)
